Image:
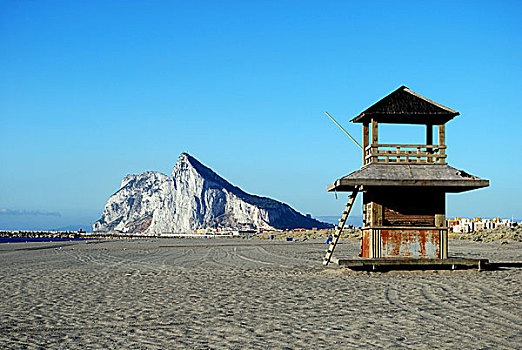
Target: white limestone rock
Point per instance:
(194, 197)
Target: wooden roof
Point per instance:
(404, 106)
(426, 175)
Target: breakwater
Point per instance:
(69, 235)
(104, 235)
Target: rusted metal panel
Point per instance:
(421, 243)
(404, 243)
(365, 244)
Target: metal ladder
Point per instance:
(339, 228)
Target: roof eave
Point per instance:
(344, 185)
(367, 117)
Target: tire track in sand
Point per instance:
(393, 297)
(472, 304)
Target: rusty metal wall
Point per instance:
(423, 243)
(401, 243)
(365, 244)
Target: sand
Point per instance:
(238, 294)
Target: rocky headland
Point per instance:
(193, 197)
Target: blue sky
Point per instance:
(91, 91)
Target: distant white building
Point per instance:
(464, 225)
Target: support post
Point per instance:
(429, 134)
(440, 220)
(444, 243)
(366, 140)
(375, 138)
(442, 142)
(429, 141)
(375, 133)
(376, 214)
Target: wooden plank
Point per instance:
(392, 145)
(395, 218)
(442, 141)
(410, 206)
(375, 133)
(442, 135)
(480, 263)
(366, 140)
(440, 220)
(407, 227)
(398, 261)
(404, 154)
(374, 213)
(429, 140)
(390, 152)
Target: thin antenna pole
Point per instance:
(346, 132)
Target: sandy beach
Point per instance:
(255, 294)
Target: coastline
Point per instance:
(486, 235)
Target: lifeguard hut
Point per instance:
(404, 186)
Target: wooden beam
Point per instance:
(366, 208)
(479, 263)
(379, 213)
(403, 154)
(366, 140)
(442, 135)
(429, 140)
(375, 133)
(393, 145)
(440, 220)
(346, 132)
(442, 142)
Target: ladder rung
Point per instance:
(339, 229)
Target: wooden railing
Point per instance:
(382, 153)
